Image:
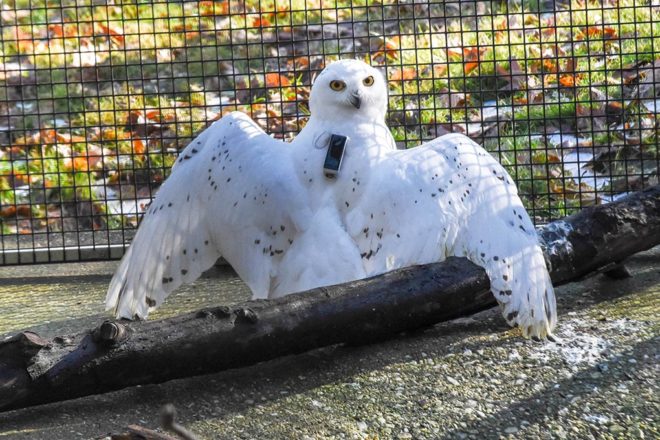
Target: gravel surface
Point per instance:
(468, 378)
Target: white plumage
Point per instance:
(268, 209)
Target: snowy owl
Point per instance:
(336, 204)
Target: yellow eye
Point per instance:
(337, 85)
(368, 81)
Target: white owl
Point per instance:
(286, 224)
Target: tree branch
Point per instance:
(122, 354)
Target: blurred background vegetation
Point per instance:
(97, 97)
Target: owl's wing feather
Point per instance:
(232, 193)
(449, 197)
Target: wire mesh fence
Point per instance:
(97, 98)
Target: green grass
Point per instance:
(110, 93)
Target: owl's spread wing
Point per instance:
(449, 197)
(232, 193)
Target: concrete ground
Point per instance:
(469, 378)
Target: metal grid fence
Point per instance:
(97, 98)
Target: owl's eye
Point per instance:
(368, 81)
(337, 85)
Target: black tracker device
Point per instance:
(335, 154)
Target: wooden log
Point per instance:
(121, 354)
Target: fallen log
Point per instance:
(121, 354)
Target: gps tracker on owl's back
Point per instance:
(334, 155)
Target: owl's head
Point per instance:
(348, 89)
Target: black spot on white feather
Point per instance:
(150, 302)
(505, 293)
(184, 271)
(505, 277)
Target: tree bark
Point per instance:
(121, 354)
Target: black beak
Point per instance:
(355, 100)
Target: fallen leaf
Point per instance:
(610, 33)
(261, 21)
(549, 65)
(138, 146)
(16, 211)
(208, 8)
(80, 164)
(471, 58)
(277, 80)
(388, 50)
(154, 115)
(403, 74)
(114, 33)
(470, 67)
(567, 80)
